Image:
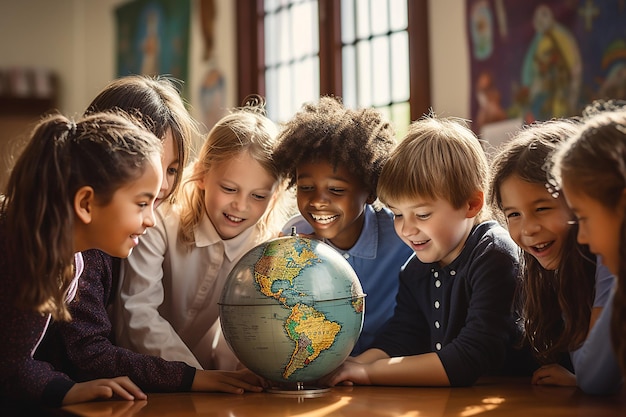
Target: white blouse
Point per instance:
(168, 300)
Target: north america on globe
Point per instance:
(275, 273)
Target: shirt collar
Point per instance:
(206, 235)
(366, 245)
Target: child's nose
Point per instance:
(319, 200)
(240, 202)
(530, 226)
(150, 220)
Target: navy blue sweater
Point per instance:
(462, 311)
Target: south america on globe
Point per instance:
(292, 310)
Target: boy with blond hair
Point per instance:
(452, 322)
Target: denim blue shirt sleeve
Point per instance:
(597, 371)
(604, 284)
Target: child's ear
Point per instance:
(83, 203)
(475, 204)
(196, 174)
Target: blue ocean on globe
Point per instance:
(292, 310)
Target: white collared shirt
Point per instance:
(168, 300)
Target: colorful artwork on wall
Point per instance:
(153, 38)
(539, 59)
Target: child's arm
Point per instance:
(86, 339)
(417, 370)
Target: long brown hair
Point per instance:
(595, 162)
(157, 102)
(555, 306)
(103, 151)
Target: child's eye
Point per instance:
(423, 216)
(543, 208)
(305, 188)
(259, 197)
(512, 215)
(172, 171)
(337, 190)
(143, 205)
(397, 215)
(228, 189)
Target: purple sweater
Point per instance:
(22, 377)
(83, 348)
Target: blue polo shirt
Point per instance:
(376, 257)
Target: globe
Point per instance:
(292, 310)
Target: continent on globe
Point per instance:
(312, 334)
(292, 310)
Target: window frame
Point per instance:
(251, 51)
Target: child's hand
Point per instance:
(232, 382)
(348, 373)
(553, 374)
(121, 387)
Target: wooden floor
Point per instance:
(489, 398)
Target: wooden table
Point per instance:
(488, 398)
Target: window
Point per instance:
(372, 53)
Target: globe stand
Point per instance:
(299, 390)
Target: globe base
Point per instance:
(299, 390)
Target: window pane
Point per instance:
(284, 36)
(271, 90)
(270, 6)
(291, 56)
(401, 117)
(283, 98)
(400, 81)
(271, 38)
(348, 30)
(364, 73)
(398, 13)
(304, 29)
(306, 84)
(349, 76)
(380, 73)
(380, 17)
(362, 19)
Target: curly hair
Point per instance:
(359, 140)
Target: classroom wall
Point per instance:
(76, 39)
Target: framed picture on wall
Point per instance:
(539, 59)
(153, 38)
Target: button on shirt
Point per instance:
(461, 311)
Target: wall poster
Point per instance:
(153, 38)
(539, 59)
